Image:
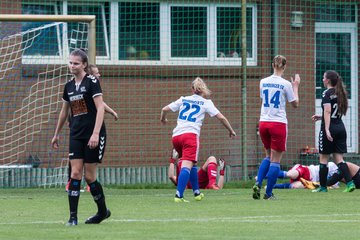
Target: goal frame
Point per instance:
(90, 19)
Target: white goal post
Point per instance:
(60, 18)
(33, 71)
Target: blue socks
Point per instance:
(263, 170)
(282, 185)
(273, 173)
(182, 181)
(194, 180)
(282, 174)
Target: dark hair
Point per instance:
(340, 91)
(279, 62)
(84, 58)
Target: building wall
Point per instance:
(138, 93)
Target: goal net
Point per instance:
(33, 71)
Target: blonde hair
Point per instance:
(199, 87)
(279, 62)
(91, 67)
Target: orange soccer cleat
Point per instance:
(308, 184)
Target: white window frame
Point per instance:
(34, 59)
(211, 59)
(63, 44)
(112, 44)
(187, 60)
(251, 61)
(103, 19)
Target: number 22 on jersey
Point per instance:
(274, 99)
(188, 112)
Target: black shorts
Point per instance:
(79, 149)
(338, 145)
(356, 179)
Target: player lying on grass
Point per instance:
(207, 174)
(300, 174)
(338, 176)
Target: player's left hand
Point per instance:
(295, 82)
(328, 135)
(116, 117)
(94, 141)
(174, 154)
(222, 164)
(55, 142)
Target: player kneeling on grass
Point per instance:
(207, 174)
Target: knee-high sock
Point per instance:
(344, 170)
(69, 171)
(194, 180)
(282, 174)
(212, 173)
(282, 185)
(336, 177)
(74, 195)
(272, 177)
(99, 197)
(323, 172)
(263, 170)
(182, 181)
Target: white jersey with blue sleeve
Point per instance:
(192, 111)
(275, 91)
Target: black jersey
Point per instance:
(83, 108)
(329, 97)
(336, 128)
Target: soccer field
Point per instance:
(152, 214)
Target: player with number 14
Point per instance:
(275, 91)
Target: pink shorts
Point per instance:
(273, 135)
(187, 145)
(304, 173)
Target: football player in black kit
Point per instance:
(83, 95)
(332, 136)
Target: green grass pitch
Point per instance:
(152, 214)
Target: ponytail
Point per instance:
(337, 82)
(279, 62)
(199, 87)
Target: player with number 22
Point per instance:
(186, 134)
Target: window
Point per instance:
(208, 34)
(154, 33)
(50, 43)
(335, 13)
(228, 32)
(51, 38)
(101, 11)
(139, 31)
(189, 31)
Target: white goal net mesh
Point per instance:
(33, 70)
